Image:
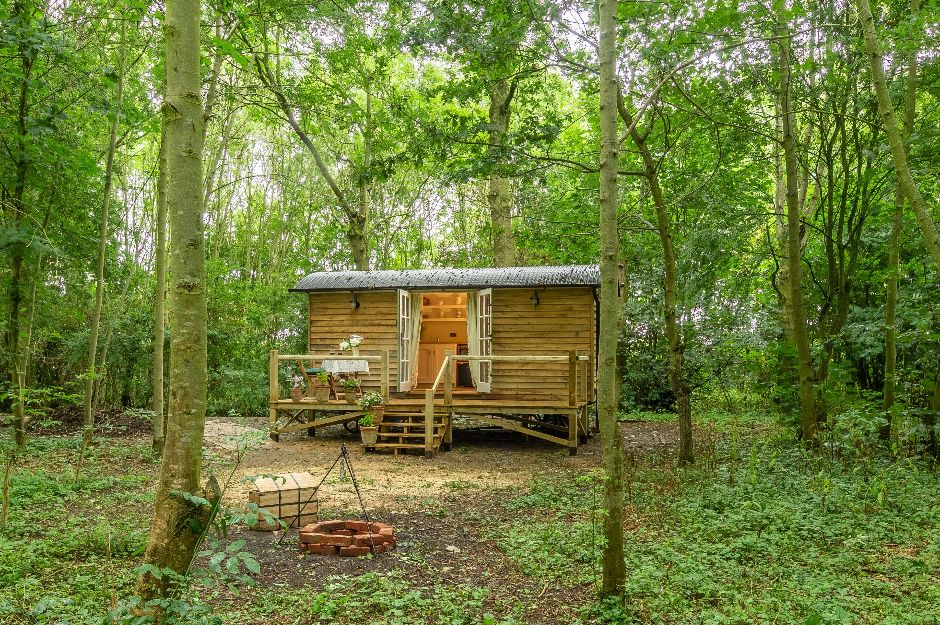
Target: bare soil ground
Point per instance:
(488, 460)
(112, 423)
(435, 505)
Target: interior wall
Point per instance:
(436, 330)
(443, 331)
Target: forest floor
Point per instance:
(502, 531)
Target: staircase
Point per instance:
(404, 431)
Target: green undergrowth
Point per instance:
(758, 532)
(372, 598)
(70, 543)
(704, 418)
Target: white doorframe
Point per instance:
(404, 341)
(485, 338)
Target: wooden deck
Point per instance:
(429, 417)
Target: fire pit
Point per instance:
(346, 538)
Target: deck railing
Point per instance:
(577, 385)
(578, 381)
(276, 358)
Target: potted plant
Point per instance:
(323, 387)
(352, 342)
(368, 430)
(373, 403)
(351, 390)
(296, 393)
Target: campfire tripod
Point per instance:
(344, 462)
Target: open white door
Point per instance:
(485, 338)
(405, 341)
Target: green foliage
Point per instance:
(350, 384)
(372, 597)
(782, 536)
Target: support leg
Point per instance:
(272, 427)
(447, 442)
(573, 432)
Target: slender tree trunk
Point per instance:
(930, 418)
(359, 223)
(787, 374)
(680, 385)
(159, 313)
(499, 192)
(177, 523)
(891, 283)
(614, 568)
(895, 142)
(797, 315)
(90, 372)
(23, 12)
(5, 490)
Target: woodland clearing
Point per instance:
(504, 530)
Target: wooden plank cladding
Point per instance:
(539, 340)
(563, 320)
(332, 318)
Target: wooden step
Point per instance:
(395, 417)
(400, 446)
(411, 418)
(409, 426)
(404, 435)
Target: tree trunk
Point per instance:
(930, 418)
(895, 141)
(787, 372)
(177, 523)
(22, 12)
(90, 383)
(499, 193)
(797, 315)
(891, 283)
(680, 385)
(359, 223)
(614, 568)
(159, 313)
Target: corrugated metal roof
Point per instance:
(563, 275)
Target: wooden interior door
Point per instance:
(431, 358)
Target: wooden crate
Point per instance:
(284, 496)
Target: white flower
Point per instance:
(344, 345)
(354, 340)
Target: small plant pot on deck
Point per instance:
(379, 412)
(352, 397)
(323, 394)
(296, 393)
(370, 435)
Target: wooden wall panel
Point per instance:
(563, 320)
(332, 319)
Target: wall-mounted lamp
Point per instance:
(354, 302)
(535, 298)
